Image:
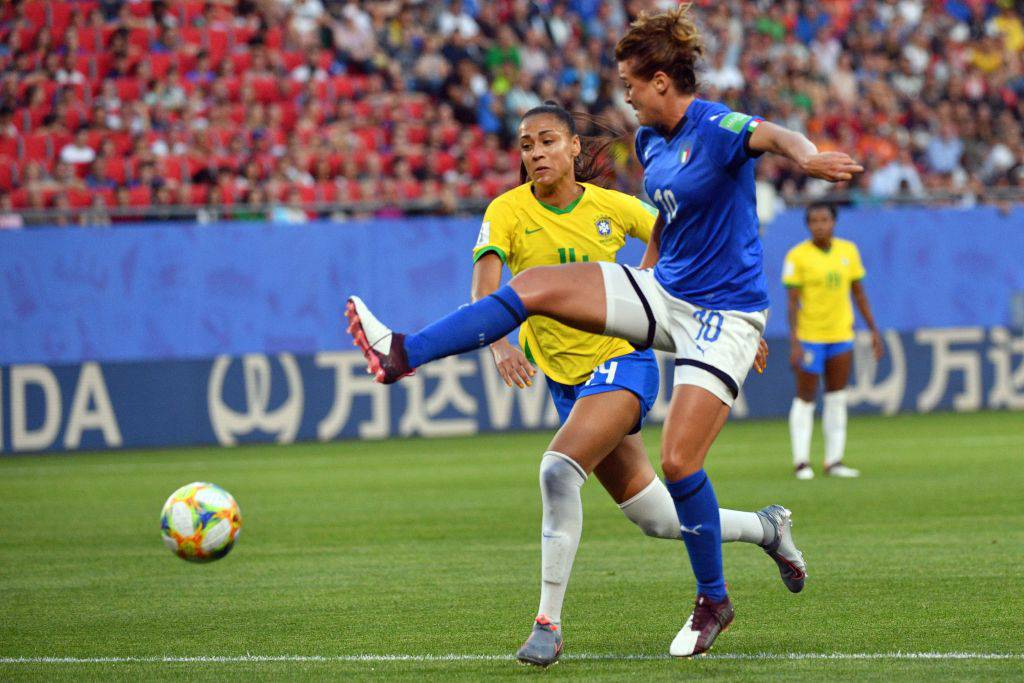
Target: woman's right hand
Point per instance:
(512, 364)
(796, 354)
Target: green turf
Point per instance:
(416, 547)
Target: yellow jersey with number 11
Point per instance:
(824, 279)
(524, 232)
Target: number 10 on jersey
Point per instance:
(666, 201)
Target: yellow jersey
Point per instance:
(524, 232)
(824, 279)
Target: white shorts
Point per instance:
(713, 349)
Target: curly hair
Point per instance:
(668, 42)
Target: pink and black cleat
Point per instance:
(383, 349)
(709, 618)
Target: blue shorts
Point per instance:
(637, 372)
(816, 354)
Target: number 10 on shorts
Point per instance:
(607, 369)
(710, 325)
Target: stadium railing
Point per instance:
(54, 217)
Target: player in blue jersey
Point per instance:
(700, 294)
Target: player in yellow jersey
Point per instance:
(601, 386)
(820, 274)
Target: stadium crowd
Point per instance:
(251, 109)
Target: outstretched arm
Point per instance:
(831, 166)
(510, 361)
(860, 297)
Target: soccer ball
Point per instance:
(200, 522)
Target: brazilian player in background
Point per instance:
(602, 388)
(820, 275)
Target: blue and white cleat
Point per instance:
(544, 646)
(782, 549)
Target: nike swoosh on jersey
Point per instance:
(530, 232)
(716, 117)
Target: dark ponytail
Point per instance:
(598, 144)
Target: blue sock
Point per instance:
(467, 328)
(697, 509)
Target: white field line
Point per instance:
(757, 656)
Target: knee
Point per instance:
(659, 528)
(535, 289)
(559, 472)
(677, 463)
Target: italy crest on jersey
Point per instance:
(603, 225)
(685, 152)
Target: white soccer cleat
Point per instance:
(383, 349)
(804, 472)
(842, 471)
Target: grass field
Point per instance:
(423, 556)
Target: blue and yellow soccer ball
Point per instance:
(200, 522)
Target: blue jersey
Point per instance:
(701, 176)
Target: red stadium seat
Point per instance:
(39, 147)
(10, 146)
(140, 196)
(142, 9)
(242, 60)
(266, 89)
(160, 62)
(79, 198)
(173, 168)
(192, 35)
(90, 39)
(273, 38)
(140, 38)
(117, 169)
(326, 191)
(128, 89)
(35, 11)
(19, 198)
(8, 173)
(241, 35)
(189, 11)
(60, 17)
(344, 88)
(445, 162)
(292, 59)
(198, 194)
(217, 44)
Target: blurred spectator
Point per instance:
(944, 150)
(237, 102)
(898, 178)
(96, 214)
(78, 150)
(292, 212)
(9, 220)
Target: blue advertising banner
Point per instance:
(179, 291)
(282, 397)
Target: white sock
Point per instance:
(655, 513)
(801, 424)
(560, 482)
(745, 527)
(833, 422)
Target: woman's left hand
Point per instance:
(831, 166)
(761, 359)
